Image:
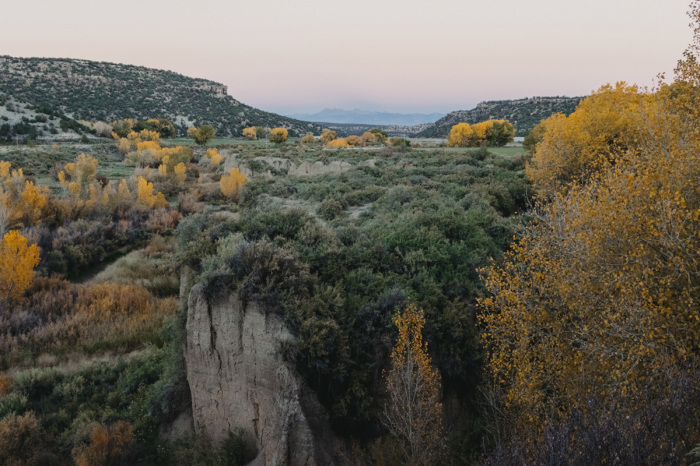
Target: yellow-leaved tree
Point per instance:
(145, 196)
(461, 135)
(309, 138)
(413, 413)
(180, 171)
(202, 135)
(338, 143)
(250, 133)
(21, 201)
(106, 446)
(597, 307)
(231, 183)
(369, 137)
(17, 262)
(604, 127)
(328, 135)
(278, 135)
(214, 156)
(490, 133)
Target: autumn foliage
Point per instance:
(59, 314)
(17, 263)
(145, 195)
(338, 143)
(106, 444)
(278, 135)
(413, 413)
(309, 138)
(22, 440)
(489, 133)
(214, 156)
(604, 127)
(598, 303)
(22, 203)
(202, 135)
(250, 133)
(231, 183)
(328, 135)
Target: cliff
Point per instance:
(239, 379)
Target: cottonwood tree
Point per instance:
(17, 263)
(489, 132)
(309, 138)
(202, 135)
(231, 183)
(600, 299)
(278, 135)
(413, 413)
(328, 135)
(250, 133)
(604, 127)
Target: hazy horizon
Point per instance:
(400, 57)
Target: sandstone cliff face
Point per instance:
(238, 379)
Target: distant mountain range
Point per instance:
(367, 117)
(523, 113)
(101, 91)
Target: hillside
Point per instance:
(523, 113)
(100, 91)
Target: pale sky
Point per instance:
(386, 55)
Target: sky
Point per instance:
(387, 55)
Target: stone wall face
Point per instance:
(239, 379)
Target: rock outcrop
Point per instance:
(239, 380)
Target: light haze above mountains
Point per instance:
(367, 117)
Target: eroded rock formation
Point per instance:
(239, 379)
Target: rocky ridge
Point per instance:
(101, 91)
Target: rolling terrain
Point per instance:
(101, 91)
(523, 113)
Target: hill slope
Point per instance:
(103, 91)
(523, 113)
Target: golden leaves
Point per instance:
(309, 138)
(278, 135)
(231, 183)
(490, 132)
(214, 156)
(201, 135)
(600, 296)
(145, 196)
(17, 262)
(414, 412)
(250, 133)
(328, 135)
(604, 127)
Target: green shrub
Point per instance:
(330, 209)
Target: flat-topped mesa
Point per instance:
(102, 91)
(239, 380)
